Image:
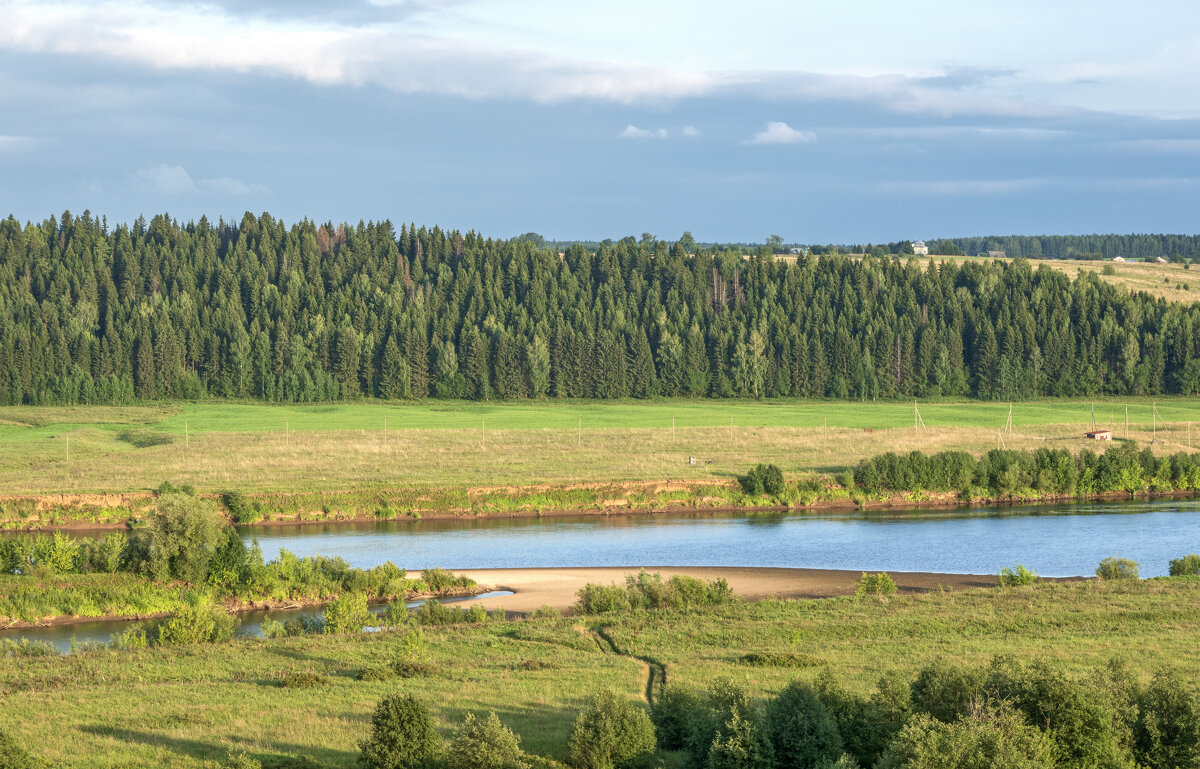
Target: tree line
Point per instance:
(261, 310)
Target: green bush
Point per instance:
(179, 540)
(396, 615)
(610, 733)
(763, 480)
(983, 740)
(348, 613)
(781, 660)
(486, 744)
(602, 599)
(412, 667)
(402, 735)
(144, 439)
(800, 728)
(241, 760)
(1168, 724)
(1117, 568)
(874, 584)
(672, 713)
(546, 612)
(198, 622)
(1189, 565)
(240, 509)
(740, 744)
(13, 756)
(375, 673)
(945, 691)
(1016, 576)
(302, 679)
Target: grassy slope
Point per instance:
(446, 444)
(186, 706)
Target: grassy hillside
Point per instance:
(186, 706)
(230, 446)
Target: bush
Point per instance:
(672, 713)
(983, 740)
(739, 744)
(240, 509)
(402, 735)
(601, 599)
(485, 744)
(302, 679)
(375, 673)
(144, 439)
(546, 612)
(1189, 565)
(13, 756)
(396, 615)
(1117, 568)
(800, 728)
(179, 541)
(874, 584)
(781, 660)
(610, 733)
(198, 622)
(241, 760)
(1168, 725)
(1017, 576)
(945, 691)
(348, 613)
(411, 667)
(763, 480)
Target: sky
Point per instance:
(852, 122)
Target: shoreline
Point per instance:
(936, 501)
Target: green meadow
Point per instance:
(188, 706)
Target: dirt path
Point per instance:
(557, 587)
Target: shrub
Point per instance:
(672, 714)
(1108, 269)
(611, 732)
(241, 760)
(486, 744)
(1018, 575)
(195, 623)
(546, 612)
(240, 509)
(720, 701)
(13, 756)
(1117, 568)
(945, 691)
(476, 614)
(601, 599)
(763, 480)
(874, 584)
(179, 541)
(1168, 725)
(375, 673)
(800, 728)
(781, 660)
(440, 580)
(740, 744)
(402, 735)
(348, 613)
(1189, 565)
(144, 439)
(983, 740)
(302, 679)
(411, 667)
(130, 638)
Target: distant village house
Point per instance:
(1099, 435)
(920, 249)
(998, 254)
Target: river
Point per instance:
(1053, 540)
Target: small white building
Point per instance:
(920, 249)
(1118, 258)
(1099, 435)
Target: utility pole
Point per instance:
(579, 434)
(186, 442)
(672, 428)
(1126, 420)
(68, 449)
(483, 434)
(287, 430)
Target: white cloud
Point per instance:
(691, 131)
(959, 186)
(782, 133)
(1165, 146)
(175, 180)
(13, 142)
(633, 132)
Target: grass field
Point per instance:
(186, 706)
(455, 445)
(1161, 280)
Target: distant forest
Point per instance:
(311, 312)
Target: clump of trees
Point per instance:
(313, 312)
(647, 591)
(1044, 472)
(763, 479)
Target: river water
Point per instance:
(1053, 540)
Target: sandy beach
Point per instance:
(557, 587)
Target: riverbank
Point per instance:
(558, 587)
(106, 512)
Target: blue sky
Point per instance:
(822, 122)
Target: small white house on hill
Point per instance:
(919, 248)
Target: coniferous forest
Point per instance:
(308, 312)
